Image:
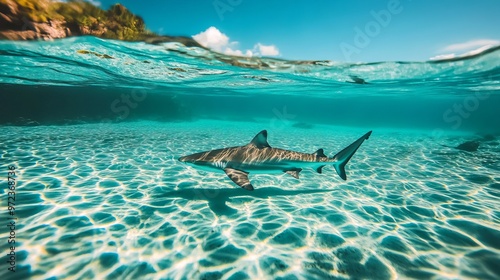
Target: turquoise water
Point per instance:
(95, 128)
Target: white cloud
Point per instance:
(467, 48)
(230, 51)
(478, 50)
(95, 2)
(443, 56)
(473, 44)
(270, 50)
(212, 38)
(215, 40)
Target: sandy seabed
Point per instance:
(112, 201)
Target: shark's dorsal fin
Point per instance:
(239, 177)
(319, 153)
(294, 173)
(260, 140)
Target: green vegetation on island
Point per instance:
(48, 19)
(56, 19)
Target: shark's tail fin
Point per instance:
(342, 157)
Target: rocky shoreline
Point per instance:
(22, 20)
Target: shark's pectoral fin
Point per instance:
(294, 173)
(239, 177)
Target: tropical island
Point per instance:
(22, 20)
(48, 19)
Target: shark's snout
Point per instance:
(186, 159)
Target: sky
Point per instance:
(338, 30)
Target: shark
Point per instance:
(258, 157)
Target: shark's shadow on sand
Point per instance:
(217, 198)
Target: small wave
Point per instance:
(90, 61)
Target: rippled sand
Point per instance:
(112, 201)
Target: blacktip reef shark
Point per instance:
(259, 157)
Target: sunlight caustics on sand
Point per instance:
(111, 200)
